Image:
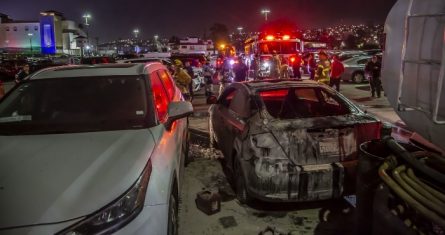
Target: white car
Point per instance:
(93, 150)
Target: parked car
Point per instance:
(289, 140)
(93, 150)
(9, 68)
(355, 69)
(166, 62)
(97, 60)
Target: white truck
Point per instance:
(401, 186)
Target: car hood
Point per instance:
(53, 178)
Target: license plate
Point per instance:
(329, 148)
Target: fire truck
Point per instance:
(259, 50)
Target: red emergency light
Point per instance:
(286, 37)
(292, 59)
(270, 37)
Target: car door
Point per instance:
(233, 116)
(180, 135)
(236, 120)
(169, 142)
(219, 113)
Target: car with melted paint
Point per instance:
(93, 150)
(289, 140)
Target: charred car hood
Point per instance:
(53, 178)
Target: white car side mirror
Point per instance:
(178, 110)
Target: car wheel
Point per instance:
(358, 77)
(173, 218)
(213, 143)
(240, 184)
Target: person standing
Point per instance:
(373, 68)
(296, 65)
(311, 66)
(337, 69)
(22, 74)
(191, 73)
(275, 66)
(323, 68)
(182, 79)
(240, 69)
(208, 78)
(284, 71)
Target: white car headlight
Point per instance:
(116, 214)
(266, 64)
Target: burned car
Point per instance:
(289, 140)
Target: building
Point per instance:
(194, 45)
(51, 34)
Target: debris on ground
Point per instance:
(228, 221)
(198, 151)
(208, 202)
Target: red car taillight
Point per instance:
(368, 131)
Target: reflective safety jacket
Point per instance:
(323, 70)
(182, 80)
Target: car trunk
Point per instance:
(308, 159)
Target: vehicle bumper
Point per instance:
(305, 183)
(151, 220)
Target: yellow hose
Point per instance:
(431, 215)
(428, 188)
(418, 188)
(438, 208)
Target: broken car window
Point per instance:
(307, 102)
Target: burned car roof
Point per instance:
(279, 83)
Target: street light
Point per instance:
(265, 12)
(86, 16)
(240, 29)
(30, 41)
(136, 33)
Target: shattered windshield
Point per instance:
(65, 105)
(304, 102)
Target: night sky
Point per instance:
(113, 19)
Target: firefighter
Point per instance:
(182, 79)
(323, 68)
(275, 66)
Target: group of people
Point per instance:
(326, 70)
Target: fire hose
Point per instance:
(423, 198)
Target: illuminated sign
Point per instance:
(47, 32)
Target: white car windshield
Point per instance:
(83, 104)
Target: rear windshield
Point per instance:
(68, 105)
(304, 102)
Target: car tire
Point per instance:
(240, 184)
(173, 216)
(358, 77)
